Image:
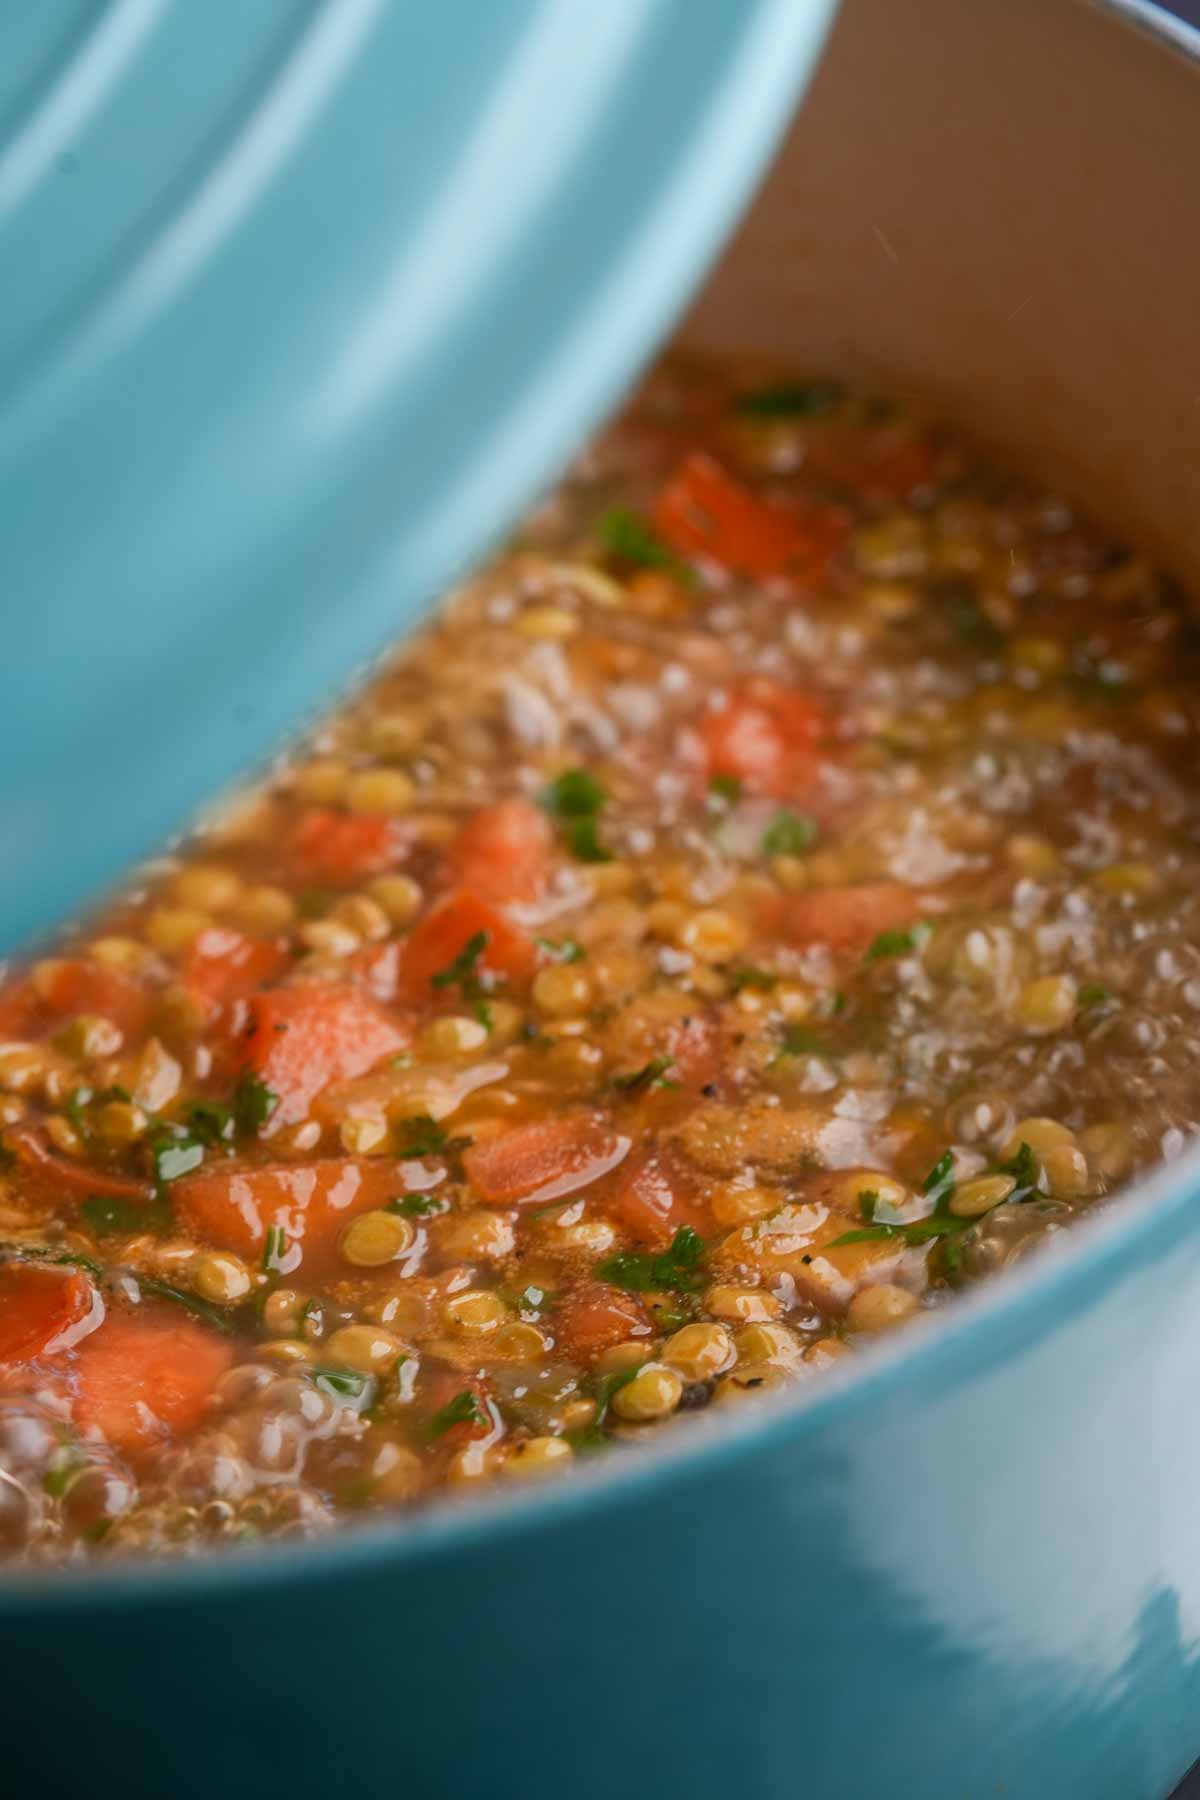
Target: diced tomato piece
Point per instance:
(340, 848)
(140, 1381)
(72, 985)
(302, 1038)
(546, 1159)
(653, 1199)
(595, 1317)
(20, 1011)
(223, 965)
(57, 1175)
(502, 852)
(768, 737)
(705, 512)
(44, 1310)
(845, 918)
(443, 934)
(309, 1202)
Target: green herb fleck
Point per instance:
(340, 1384)
(191, 1303)
(790, 400)
(70, 1259)
(275, 1248)
(422, 1136)
(651, 1075)
(789, 834)
(462, 971)
(868, 1200)
(939, 1183)
(174, 1152)
(74, 1106)
(747, 977)
(253, 1104)
(464, 1409)
(1026, 1171)
(211, 1122)
(898, 943)
(418, 1206)
(106, 1214)
(642, 1272)
(726, 789)
(1092, 994)
(484, 1014)
(565, 950)
(576, 798)
(797, 1040)
(594, 1436)
(65, 1464)
(625, 535)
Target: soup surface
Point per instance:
(766, 901)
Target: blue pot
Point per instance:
(300, 304)
(970, 1565)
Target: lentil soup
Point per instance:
(763, 904)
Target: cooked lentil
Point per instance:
(766, 901)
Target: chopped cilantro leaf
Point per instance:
(797, 1040)
(650, 1075)
(75, 1102)
(343, 1383)
(191, 1303)
(275, 1248)
(462, 971)
(174, 1152)
(790, 400)
(576, 798)
(565, 950)
(253, 1104)
(788, 834)
(1026, 1171)
(868, 1234)
(573, 795)
(747, 977)
(418, 1206)
(725, 788)
(898, 943)
(464, 1409)
(109, 1213)
(941, 1223)
(939, 1183)
(65, 1464)
(71, 1259)
(593, 1436)
(1092, 994)
(484, 1014)
(624, 534)
(583, 841)
(211, 1122)
(642, 1272)
(422, 1136)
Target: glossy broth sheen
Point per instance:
(766, 902)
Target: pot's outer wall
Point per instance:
(990, 1586)
(981, 1577)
